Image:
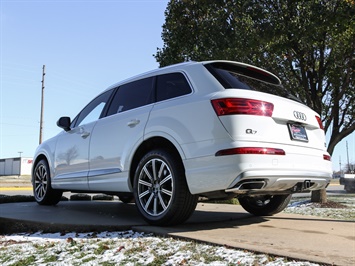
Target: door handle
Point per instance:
(84, 135)
(133, 123)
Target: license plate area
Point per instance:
(297, 132)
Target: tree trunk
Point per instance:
(319, 196)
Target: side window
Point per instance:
(93, 110)
(132, 95)
(171, 86)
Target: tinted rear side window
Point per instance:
(171, 86)
(248, 78)
(132, 95)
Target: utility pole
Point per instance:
(42, 104)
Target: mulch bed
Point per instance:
(332, 204)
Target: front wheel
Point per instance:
(160, 189)
(264, 205)
(42, 190)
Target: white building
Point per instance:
(16, 166)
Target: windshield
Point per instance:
(233, 76)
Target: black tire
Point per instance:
(264, 205)
(160, 189)
(42, 189)
(347, 188)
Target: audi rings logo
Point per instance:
(299, 115)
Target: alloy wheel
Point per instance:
(40, 182)
(155, 187)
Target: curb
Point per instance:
(16, 198)
(74, 197)
(14, 226)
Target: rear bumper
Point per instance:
(279, 181)
(265, 173)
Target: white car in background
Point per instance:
(216, 129)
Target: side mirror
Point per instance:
(64, 123)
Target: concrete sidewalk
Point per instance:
(288, 235)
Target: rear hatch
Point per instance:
(255, 107)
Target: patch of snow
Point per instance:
(128, 248)
(306, 207)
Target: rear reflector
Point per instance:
(242, 106)
(319, 122)
(327, 157)
(251, 150)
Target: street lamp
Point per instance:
(19, 174)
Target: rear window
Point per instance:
(132, 95)
(171, 86)
(247, 78)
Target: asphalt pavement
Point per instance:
(309, 238)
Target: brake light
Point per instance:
(327, 157)
(319, 122)
(251, 150)
(242, 106)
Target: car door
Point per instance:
(116, 136)
(72, 149)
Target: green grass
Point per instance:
(30, 260)
(233, 201)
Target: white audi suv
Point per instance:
(163, 139)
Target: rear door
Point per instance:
(116, 135)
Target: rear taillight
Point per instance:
(251, 150)
(319, 122)
(327, 157)
(242, 106)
